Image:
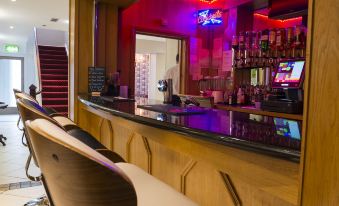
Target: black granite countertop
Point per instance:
(276, 137)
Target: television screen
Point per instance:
(287, 128)
(289, 74)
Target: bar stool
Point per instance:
(30, 110)
(78, 175)
(2, 137)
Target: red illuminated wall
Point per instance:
(176, 16)
(179, 16)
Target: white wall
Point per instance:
(28, 52)
(171, 52)
(50, 37)
(25, 51)
(31, 68)
(150, 47)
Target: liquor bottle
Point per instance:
(235, 47)
(241, 48)
(264, 41)
(240, 96)
(248, 43)
(290, 43)
(272, 44)
(254, 49)
(264, 46)
(280, 42)
(259, 50)
(299, 41)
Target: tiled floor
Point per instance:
(12, 167)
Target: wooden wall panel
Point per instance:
(168, 165)
(81, 49)
(106, 133)
(205, 185)
(122, 136)
(321, 152)
(138, 152)
(106, 37)
(198, 168)
(91, 122)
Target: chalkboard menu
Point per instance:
(96, 79)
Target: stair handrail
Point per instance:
(38, 60)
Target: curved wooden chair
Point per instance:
(30, 111)
(62, 120)
(78, 175)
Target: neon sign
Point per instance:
(210, 17)
(208, 1)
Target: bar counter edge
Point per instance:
(205, 171)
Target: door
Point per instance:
(11, 77)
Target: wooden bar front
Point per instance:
(208, 173)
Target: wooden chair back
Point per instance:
(76, 174)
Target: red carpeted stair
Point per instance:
(54, 78)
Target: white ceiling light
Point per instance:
(11, 27)
(13, 0)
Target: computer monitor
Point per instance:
(289, 74)
(287, 128)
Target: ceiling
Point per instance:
(24, 15)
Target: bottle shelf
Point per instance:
(253, 110)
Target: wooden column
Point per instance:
(106, 36)
(320, 179)
(81, 49)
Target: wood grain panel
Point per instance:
(106, 134)
(81, 50)
(122, 136)
(193, 166)
(167, 165)
(106, 37)
(90, 122)
(137, 152)
(321, 153)
(205, 186)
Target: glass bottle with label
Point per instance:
(280, 42)
(264, 45)
(241, 49)
(248, 43)
(254, 49)
(289, 42)
(235, 47)
(272, 44)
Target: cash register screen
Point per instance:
(289, 74)
(287, 128)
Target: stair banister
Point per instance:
(37, 61)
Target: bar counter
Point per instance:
(246, 131)
(215, 158)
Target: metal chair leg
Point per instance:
(41, 201)
(28, 162)
(1, 140)
(22, 139)
(18, 124)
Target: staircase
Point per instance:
(54, 78)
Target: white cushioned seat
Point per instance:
(151, 191)
(63, 121)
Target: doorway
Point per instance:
(11, 70)
(158, 58)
